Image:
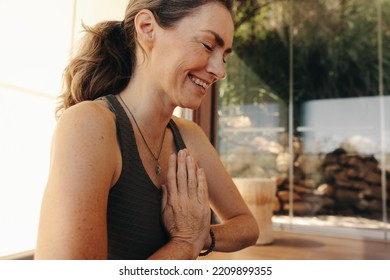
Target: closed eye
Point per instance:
(209, 48)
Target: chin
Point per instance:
(193, 106)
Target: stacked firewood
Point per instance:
(354, 183)
(348, 185)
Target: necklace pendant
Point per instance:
(158, 169)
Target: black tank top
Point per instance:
(134, 226)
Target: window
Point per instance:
(306, 102)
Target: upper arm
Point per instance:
(83, 165)
(230, 204)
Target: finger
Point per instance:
(191, 173)
(182, 173)
(202, 190)
(171, 186)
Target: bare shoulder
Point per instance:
(88, 114)
(189, 130)
(196, 140)
(88, 123)
(86, 136)
(182, 122)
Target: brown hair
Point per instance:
(105, 61)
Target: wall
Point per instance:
(37, 38)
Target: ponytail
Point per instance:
(102, 66)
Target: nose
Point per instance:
(216, 66)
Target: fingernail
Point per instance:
(182, 153)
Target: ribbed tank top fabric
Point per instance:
(134, 227)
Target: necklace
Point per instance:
(156, 158)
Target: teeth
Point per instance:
(198, 82)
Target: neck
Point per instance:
(148, 107)
(148, 112)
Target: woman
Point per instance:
(127, 179)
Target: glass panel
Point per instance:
(384, 22)
(337, 105)
(331, 169)
(252, 124)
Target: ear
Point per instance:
(145, 27)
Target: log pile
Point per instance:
(348, 185)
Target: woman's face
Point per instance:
(189, 57)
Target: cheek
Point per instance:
(188, 62)
(174, 64)
(200, 55)
(194, 60)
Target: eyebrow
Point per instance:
(218, 39)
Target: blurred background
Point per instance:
(306, 102)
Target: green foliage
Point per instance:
(335, 49)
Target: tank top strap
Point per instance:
(125, 131)
(179, 143)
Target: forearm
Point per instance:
(234, 234)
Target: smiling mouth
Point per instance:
(199, 82)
